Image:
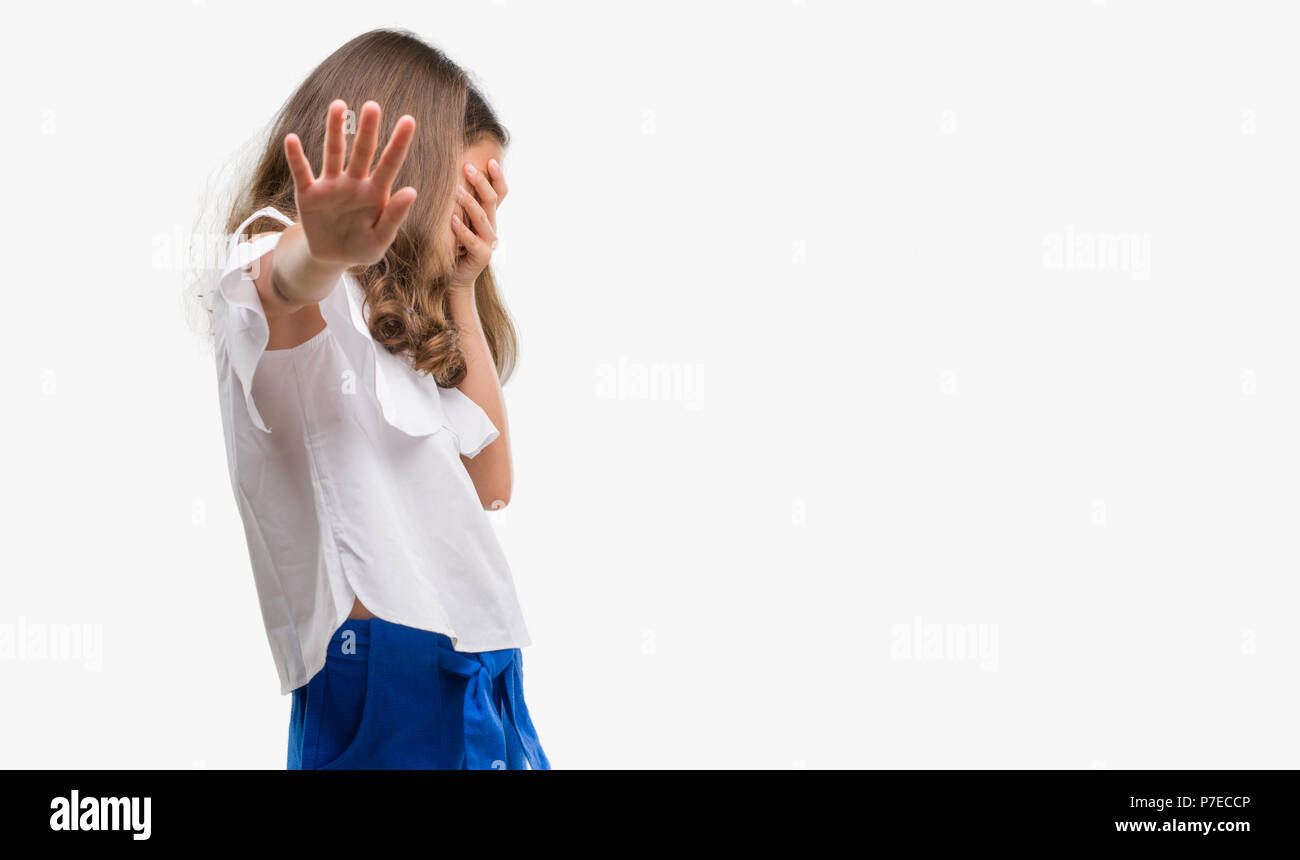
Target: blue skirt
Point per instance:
(395, 697)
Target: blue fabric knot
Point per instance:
(497, 725)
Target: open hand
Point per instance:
(479, 237)
(347, 214)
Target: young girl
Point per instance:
(360, 349)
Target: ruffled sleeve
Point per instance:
(239, 322)
(474, 430)
(411, 402)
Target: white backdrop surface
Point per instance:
(901, 385)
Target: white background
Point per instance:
(892, 414)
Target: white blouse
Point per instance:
(346, 469)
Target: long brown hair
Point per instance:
(406, 291)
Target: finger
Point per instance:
(335, 145)
(394, 152)
(478, 217)
(298, 164)
(487, 195)
(498, 177)
(394, 213)
(363, 150)
(474, 246)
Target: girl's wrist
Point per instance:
(315, 278)
(297, 275)
(323, 271)
(463, 306)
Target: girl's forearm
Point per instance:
(481, 383)
(491, 470)
(297, 277)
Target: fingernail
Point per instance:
(455, 219)
(460, 191)
(492, 163)
(470, 169)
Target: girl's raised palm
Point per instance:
(347, 214)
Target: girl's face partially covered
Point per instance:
(478, 154)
